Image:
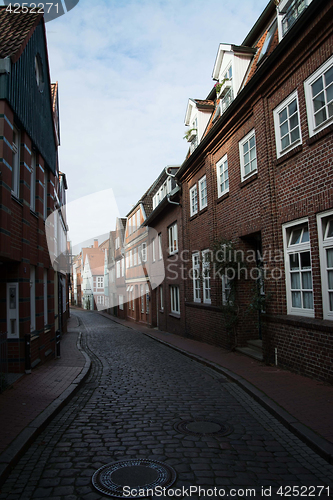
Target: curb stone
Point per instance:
(317, 443)
(10, 457)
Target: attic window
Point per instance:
(39, 73)
(268, 40)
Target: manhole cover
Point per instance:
(133, 478)
(202, 427)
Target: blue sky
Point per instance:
(126, 70)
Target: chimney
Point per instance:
(95, 243)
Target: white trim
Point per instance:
(196, 276)
(324, 244)
(174, 299)
(222, 162)
(206, 279)
(202, 203)
(242, 155)
(313, 129)
(295, 249)
(276, 116)
(173, 238)
(193, 198)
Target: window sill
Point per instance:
(171, 254)
(202, 210)
(250, 179)
(322, 325)
(175, 315)
(223, 197)
(34, 213)
(194, 216)
(316, 137)
(15, 198)
(161, 311)
(288, 155)
(201, 305)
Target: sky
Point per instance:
(126, 69)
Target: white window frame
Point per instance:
(325, 243)
(203, 195)
(121, 302)
(206, 278)
(118, 268)
(194, 200)
(147, 299)
(226, 290)
(276, 116)
(16, 162)
(242, 155)
(123, 267)
(161, 298)
(45, 297)
(196, 277)
(313, 128)
(33, 182)
(131, 258)
(100, 282)
(32, 298)
(45, 192)
(173, 238)
(142, 299)
(288, 251)
(222, 176)
(153, 250)
(160, 252)
(174, 299)
(144, 252)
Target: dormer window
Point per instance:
(288, 12)
(268, 40)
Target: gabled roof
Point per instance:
(16, 30)
(201, 104)
(235, 49)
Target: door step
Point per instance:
(253, 349)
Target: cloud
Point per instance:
(125, 71)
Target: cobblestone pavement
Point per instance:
(137, 391)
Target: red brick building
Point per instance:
(260, 183)
(34, 298)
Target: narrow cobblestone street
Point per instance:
(136, 394)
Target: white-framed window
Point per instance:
(153, 250)
(325, 240)
(318, 90)
(135, 260)
(298, 268)
(131, 258)
(193, 200)
(139, 254)
(142, 299)
(287, 125)
(46, 178)
(203, 192)
(100, 281)
(173, 238)
(138, 219)
(161, 298)
(123, 267)
(248, 155)
(118, 268)
(206, 277)
(268, 40)
(147, 299)
(121, 302)
(117, 243)
(174, 299)
(226, 290)
(144, 252)
(222, 176)
(45, 296)
(33, 181)
(196, 277)
(160, 253)
(16, 162)
(32, 298)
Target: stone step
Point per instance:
(255, 344)
(253, 353)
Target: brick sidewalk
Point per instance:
(308, 401)
(32, 400)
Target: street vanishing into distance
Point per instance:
(132, 406)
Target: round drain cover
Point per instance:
(203, 427)
(133, 478)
